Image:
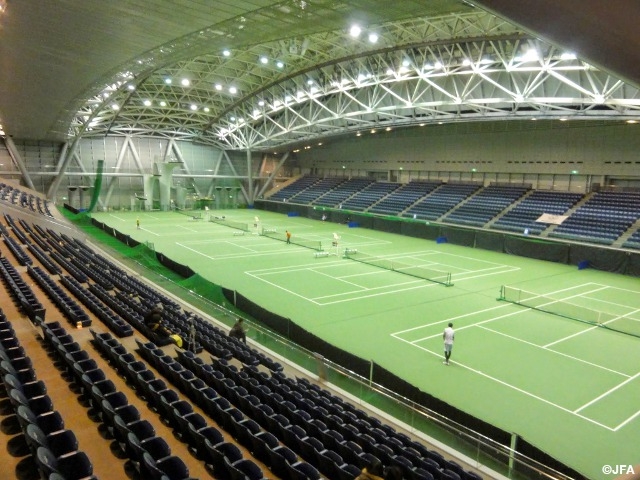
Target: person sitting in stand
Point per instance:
(153, 320)
(238, 331)
(373, 471)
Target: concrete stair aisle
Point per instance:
(508, 209)
(551, 228)
(625, 236)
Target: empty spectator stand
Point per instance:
(441, 200)
(602, 218)
(528, 210)
(371, 194)
(319, 188)
(334, 197)
(294, 188)
(20, 291)
(405, 196)
(485, 205)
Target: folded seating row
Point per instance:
(112, 320)
(72, 311)
(208, 444)
(53, 447)
(16, 250)
(23, 199)
(134, 436)
(20, 291)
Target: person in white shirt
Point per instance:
(448, 336)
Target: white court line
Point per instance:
(554, 351)
(369, 289)
(188, 229)
(502, 316)
(117, 218)
(450, 319)
(149, 231)
(340, 279)
(285, 289)
(196, 251)
(601, 300)
(513, 387)
(630, 379)
(454, 276)
(360, 296)
(592, 328)
(619, 426)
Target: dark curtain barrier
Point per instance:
(531, 451)
(387, 225)
(183, 270)
(396, 384)
(599, 258)
(297, 334)
(490, 241)
(71, 209)
(538, 249)
(420, 230)
(98, 224)
(459, 236)
(633, 266)
(363, 221)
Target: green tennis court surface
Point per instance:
(567, 386)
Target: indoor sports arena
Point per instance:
(314, 239)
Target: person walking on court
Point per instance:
(138, 223)
(448, 336)
(288, 233)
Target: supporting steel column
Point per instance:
(15, 156)
(250, 192)
(65, 157)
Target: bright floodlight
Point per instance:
(355, 31)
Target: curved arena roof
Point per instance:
(265, 75)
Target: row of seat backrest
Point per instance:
(72, 311)
(217, 403)
(111, 319)
(189, 426)
(20, 290)
(23, 199)
(53, 448)
(134, 436)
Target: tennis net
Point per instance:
(295, 239)
(229, 223)
(196, 215)
(545, 303)
(399, 266)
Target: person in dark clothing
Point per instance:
(153, 320)
(238, 331)
(373, 471)
(393, 473)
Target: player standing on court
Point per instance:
(448, 336)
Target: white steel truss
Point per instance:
(283, 93)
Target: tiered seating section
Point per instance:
(53, 448)
(23, 199)
(602, 219)
(525, 213)
(485, 205)
(607, 217)
(295, 428)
